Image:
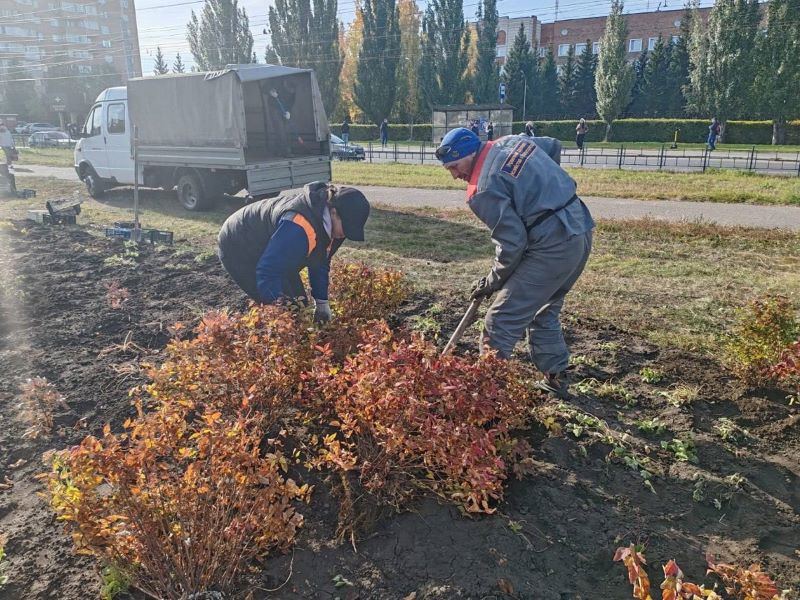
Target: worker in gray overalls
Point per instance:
(543, 236)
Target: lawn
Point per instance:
(50, 157)
(677, 284)
(712, 186)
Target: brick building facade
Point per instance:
(35, 34)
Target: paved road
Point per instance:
(751, 215)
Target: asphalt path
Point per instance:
(748, 215)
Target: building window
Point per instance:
(651, 43)
(563, 49)
(676, 39)
(542, 52)
(579, 48)
(84, 69)
(501, 38)
(596, 48)
(106, 43)
(501, 52)
(635, 45)
(110, 60)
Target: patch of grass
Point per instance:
(729, 431)
(681, 394)
(724, 186)
(583, 359)
(678, 284)
(651, 375)
(606, 390)
(427, 322)
(49, 157)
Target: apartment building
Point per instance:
(41, 35)
(643, 32)
(507, 29)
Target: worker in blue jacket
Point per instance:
(542, 233)
(265, 245)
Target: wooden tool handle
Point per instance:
(466, 321)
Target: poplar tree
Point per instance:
(351, 48)
(445, 53)
(377, 62)
(585, 97)
(486, 80)
(678, 69)
(405, 104)
(518, 73)
(614, 78)
(777, 82)
(160, 66)
(221, 36)
(305, 33)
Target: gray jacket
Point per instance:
(516, 181)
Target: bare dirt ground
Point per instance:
(552, 539)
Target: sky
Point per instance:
(165, 26)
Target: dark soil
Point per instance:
(554, 536)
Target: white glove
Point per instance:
(287, 115)
(322, 311)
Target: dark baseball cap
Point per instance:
(353, 209)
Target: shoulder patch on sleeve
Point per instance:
(519, 155)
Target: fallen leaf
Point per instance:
(505, 586)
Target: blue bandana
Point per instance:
(457, 144)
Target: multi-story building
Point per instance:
(38, 37)
(507, 29)
(644, 30)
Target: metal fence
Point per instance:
(644, 159)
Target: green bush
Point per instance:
(399, 132)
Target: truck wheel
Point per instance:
(191, 193)
(94, 185)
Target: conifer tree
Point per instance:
(654, 94)
(486, 80)
(567, 84)
(178, 66)
(160, 66)
(548, 87)
(377, 62)
(518, 72)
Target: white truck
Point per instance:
(260, 128)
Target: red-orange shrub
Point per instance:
(411, 420)
(180, 504)
(361, 293)
(787, 369)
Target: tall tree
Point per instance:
(405, 103)
(778, 78)
(377, 62)
(678, 69)
(486, 82)
(305, 33)
(567, 84)
(656, 79)
(221, 36)
(722, 77)
(548, 87)
(637, 107)
(585, 96)
(351, 48)
(160, 66)
(178, 66)
(614, 78)
(518, 73)
(445, 53)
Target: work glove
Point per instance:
(482, 289)
(322, 311)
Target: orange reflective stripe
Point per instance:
(476, 170)
(310, 233)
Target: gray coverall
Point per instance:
(543, 236)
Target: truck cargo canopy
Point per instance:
(208, 109)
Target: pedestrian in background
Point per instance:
(7, 143)
(475, 127)
(490, 131)
(580, 133)
(529, 129)
(384, 132)
(713, 132)
(346, 130)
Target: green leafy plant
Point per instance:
(764, 329)
(583, 359)
(126, 258)
(426, 323)
(728, 430)
(650, 425)
(607, 390)
(3, 576)
(683, 451)
(651, 375)
(115, 582)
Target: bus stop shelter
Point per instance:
(447, 117)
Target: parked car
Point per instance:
(50, 139)
(20, 128)
(344, 151)
(34, 127)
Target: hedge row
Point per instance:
(624, 130)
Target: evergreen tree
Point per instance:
(445, 53)
(638, 102)
(656, 79)
(405, 104)
(585, 96)
(486, 82)
(777, 81)
(567, 85)
(377, 62)
(305, 33)
(178, 66)
(548, 87)
(678, 69)
(221, 36)
(614, 78)
(160, 66)
(518, 73)
(19, 93)
(724, 61)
